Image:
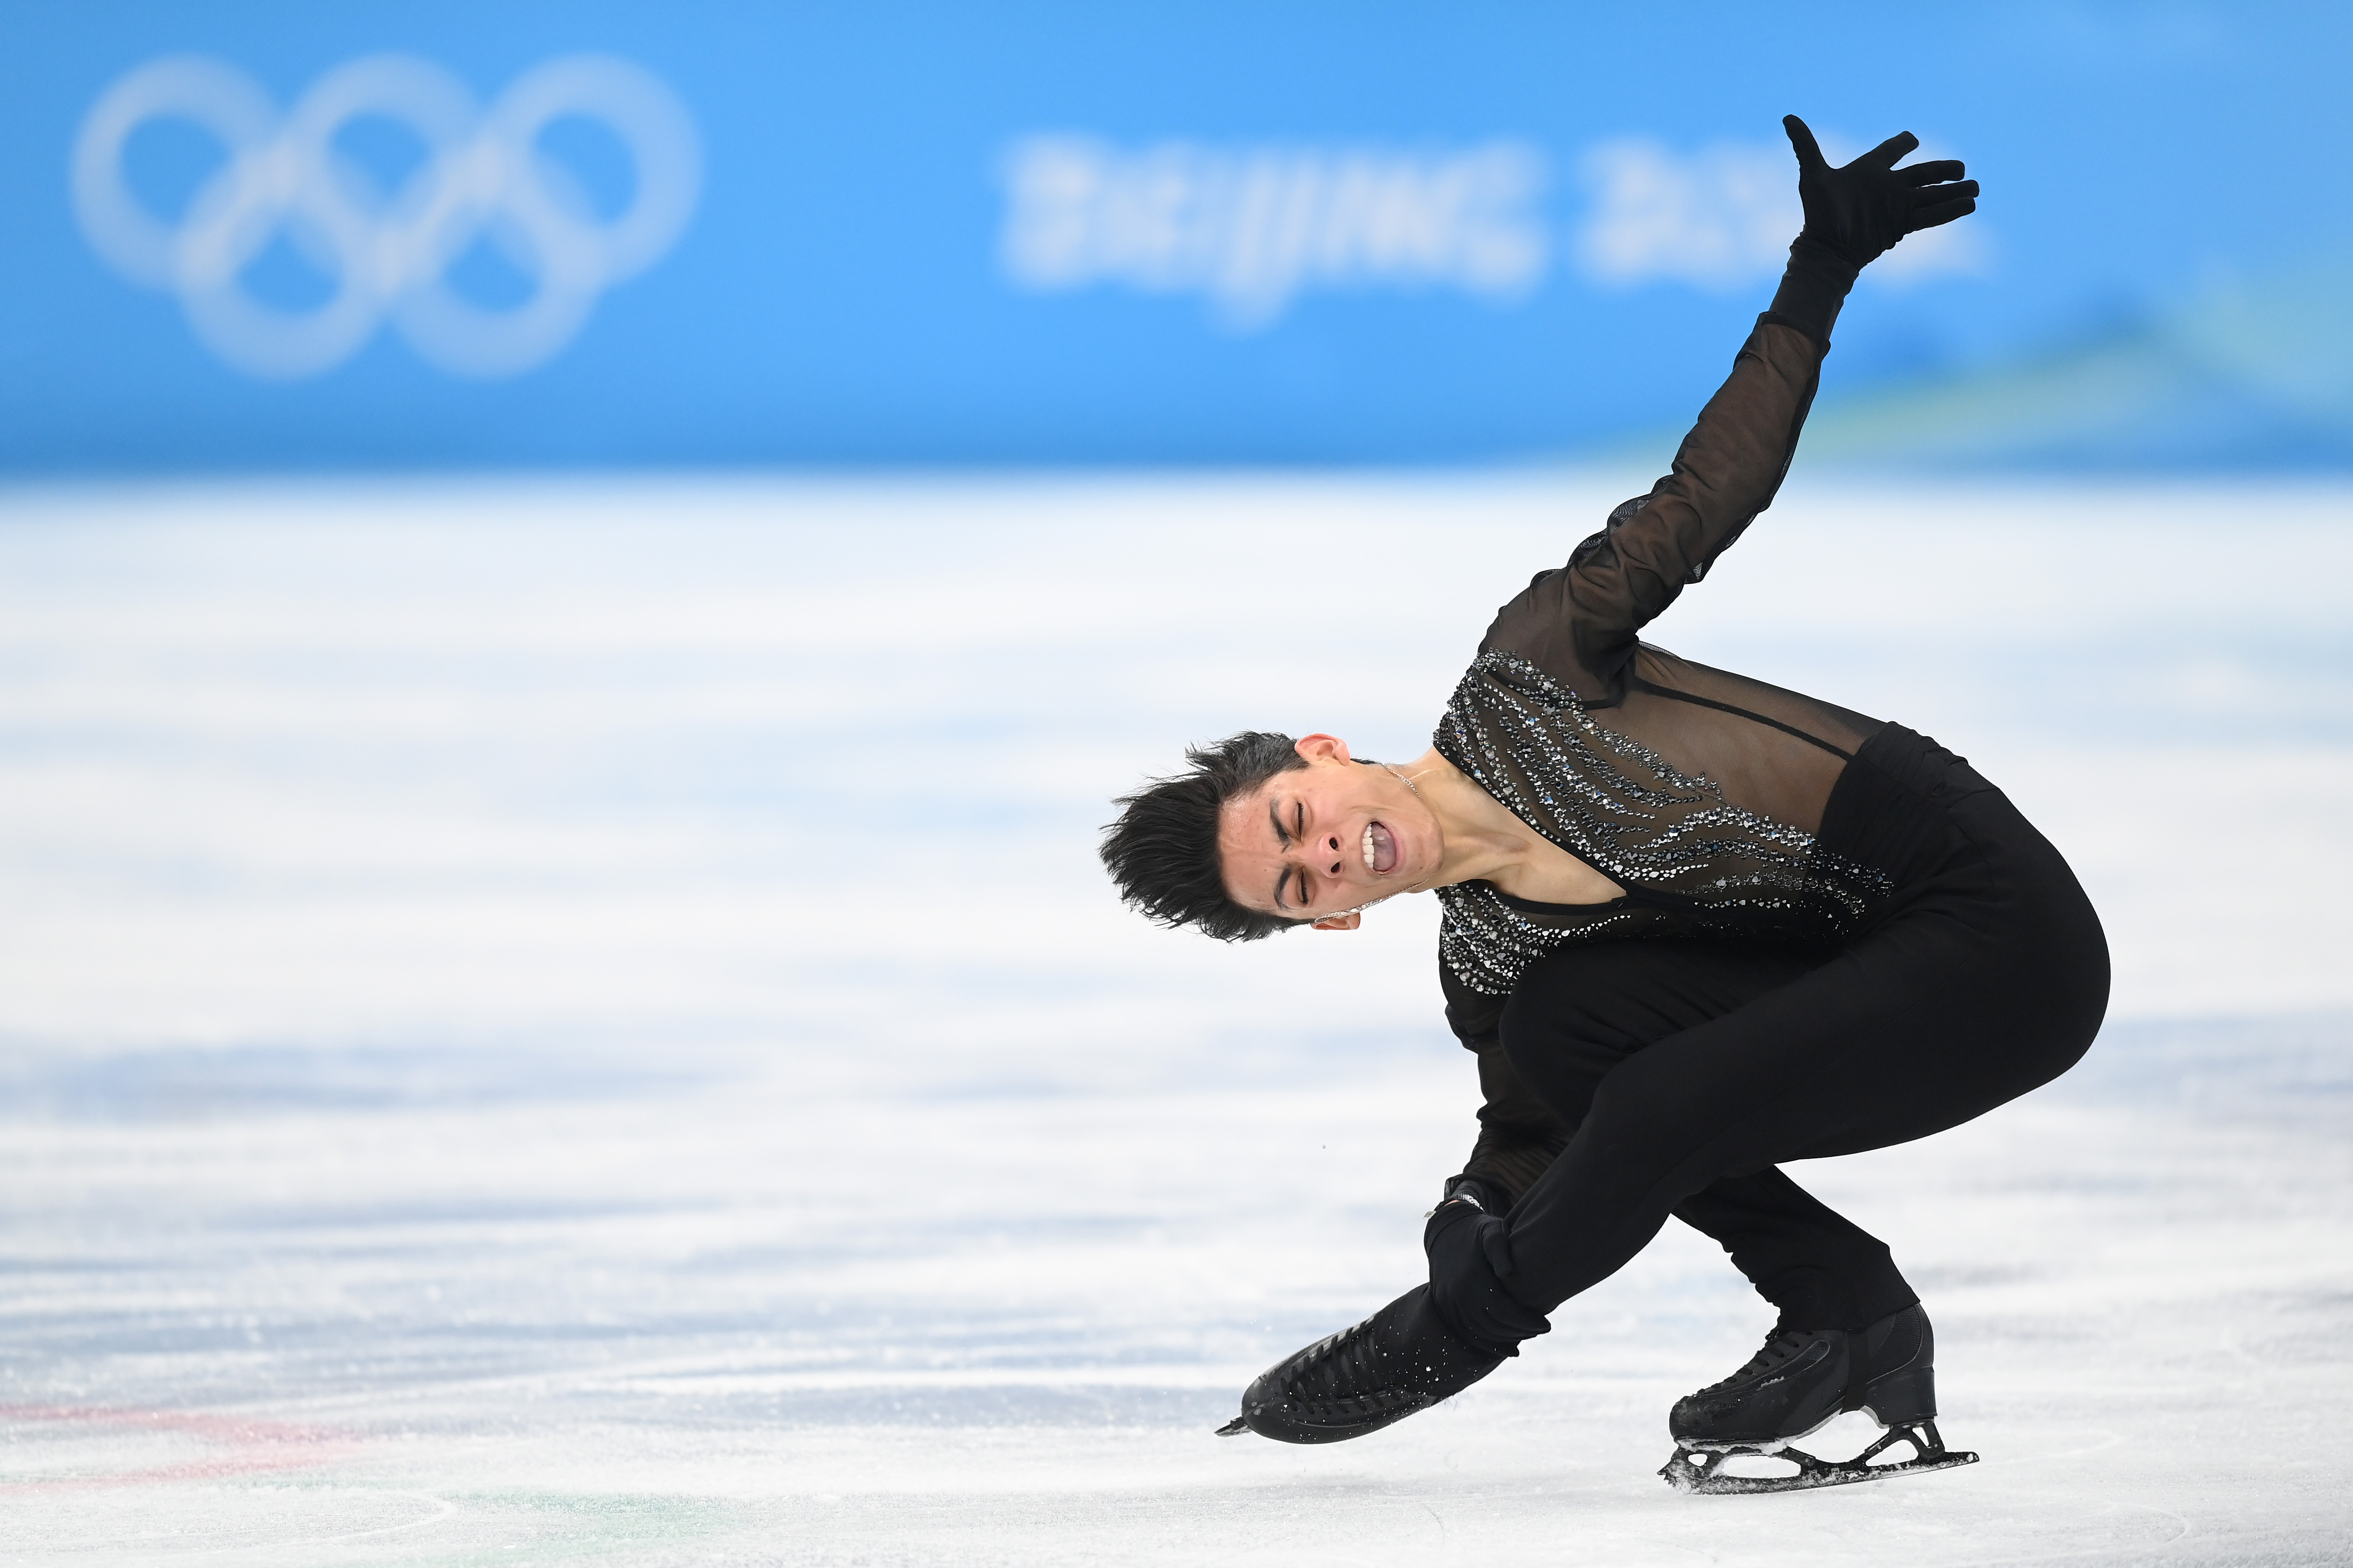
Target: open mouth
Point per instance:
(1380, 850)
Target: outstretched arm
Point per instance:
(1579, 623)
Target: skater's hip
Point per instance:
(1917, 813)
(1895, 807)
(1967, 870)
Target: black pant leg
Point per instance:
(1580, 1013)
(1987, 979)
(1821, 1269)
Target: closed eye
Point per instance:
(1298, 836)
(1286, 837)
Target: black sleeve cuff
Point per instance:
(1812, 290)
(1488, 1194)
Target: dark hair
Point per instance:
(1162, 850)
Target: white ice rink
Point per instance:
(579, 1023)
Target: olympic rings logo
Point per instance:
(484, 178)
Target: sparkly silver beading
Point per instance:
(1690, 861)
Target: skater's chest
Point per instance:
(1547, 874)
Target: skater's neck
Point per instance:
(1485, 843)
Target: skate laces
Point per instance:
(1340, 1373)
(1780, 1346)
(1317, 1374)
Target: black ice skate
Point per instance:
(1796, 1384)
(1400, 1360)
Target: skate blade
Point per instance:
(1701, 1471)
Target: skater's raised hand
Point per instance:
(1861, 209)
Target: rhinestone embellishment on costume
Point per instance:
(1691, 862)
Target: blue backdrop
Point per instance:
(368, 235)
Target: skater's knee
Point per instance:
(1563, 1009)
(1602, 1003)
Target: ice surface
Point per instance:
(579, 1023)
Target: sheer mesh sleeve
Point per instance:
(1518, 1137)
(1578, 623)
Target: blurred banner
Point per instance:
(265, 236)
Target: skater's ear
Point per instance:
(1319, 748)
(1348, 921)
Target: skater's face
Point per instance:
(1318, 841)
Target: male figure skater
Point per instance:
(1695, 926)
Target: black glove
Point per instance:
(1858, 211)
(1469, 1257)
(1852, 215)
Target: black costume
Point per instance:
(1825, 903)
(1674, 1076)
(1834, 934)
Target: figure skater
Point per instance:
(1695, 926)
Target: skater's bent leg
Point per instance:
(1925, 1023)
(1819, 1268)
(1581, 1011)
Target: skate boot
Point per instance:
(1794, 1386)
(1400, 1360)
